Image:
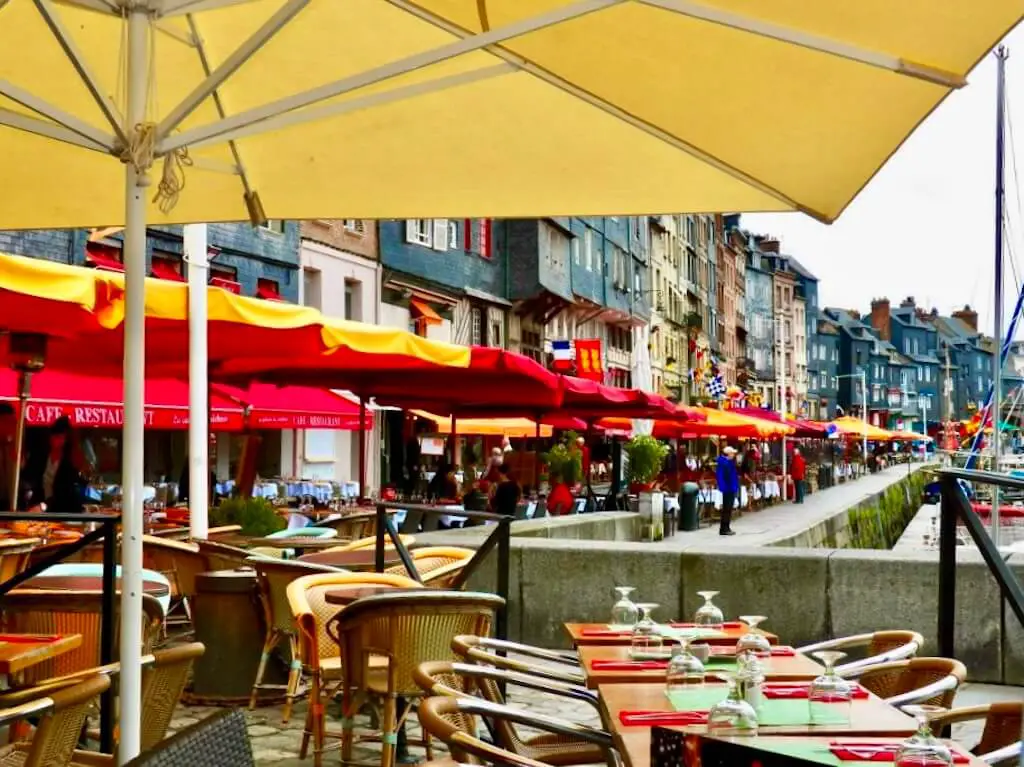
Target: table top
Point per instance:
(601, 634)
(868, 717)
(792, 668)
(20, 651)
(816, 748)
(346, 595)
(361, 559)
(88, 583)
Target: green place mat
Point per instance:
(773, 713)
(690, 633)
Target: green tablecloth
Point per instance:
(773, 713)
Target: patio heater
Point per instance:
(28, 355)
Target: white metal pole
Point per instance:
(130, 683)
(864, 414)
(782, 402)
(996, 410)
(198, 385)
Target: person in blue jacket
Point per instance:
(729, 485)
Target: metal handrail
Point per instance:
(106, 531)
(499, 538)
(954, 506)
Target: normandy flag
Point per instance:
(588, 359)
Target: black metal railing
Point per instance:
(955, 506)
(105, 531)
(499, 539)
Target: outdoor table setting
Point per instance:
(583, 634)
(21, 651)
(46, 582)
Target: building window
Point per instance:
(354, 226)
(353, 300)
(476, 326)
(531, 345)
(419, 231)
(588, 249)
(275, 225)
(312, 288)
(576, 250)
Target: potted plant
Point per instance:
(646, 456)
(565, 462)
(257, 516)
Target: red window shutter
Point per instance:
(485, 238)
(467, 235)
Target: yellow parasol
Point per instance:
(850, 426)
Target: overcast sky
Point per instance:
(924, 227)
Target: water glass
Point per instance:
(646, 638)
(732, 716)
(753, 641)
(830, 696)
(708, 615)
(684, 669)
(922, 749)
(624, 612)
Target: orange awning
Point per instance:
(422, 311)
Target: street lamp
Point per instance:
(862, 375)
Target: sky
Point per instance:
(924, 227)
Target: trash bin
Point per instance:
(228, 619)
(689, 519)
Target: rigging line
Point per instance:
(1013, 164)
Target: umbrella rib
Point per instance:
(385, 72)
(812, 42)
(59, 116)
(74, 54)
(596, 101)
(230, 65)
(50, 130)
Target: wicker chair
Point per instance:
(1004, 723)
(69, 612)
(452, 721)
(318, 652)
(438, 566)
(61, 716)
(460, 679)
(221, 556)
(218, 740)
(274, 577)
(371, 541)
(406, 629)
(180, 562)
(919, 680)
(880, 647)
(15, 555)
(556, 667)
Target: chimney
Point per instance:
(967, 316)
(880, 318)
(908, 303)
(768, 245)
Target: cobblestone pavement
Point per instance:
(278, 744)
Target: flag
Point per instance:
(588, 359)
(716, 388)
(562, 354)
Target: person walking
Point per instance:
(798, 472)
(728, 485)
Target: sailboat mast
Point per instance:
(997, 359)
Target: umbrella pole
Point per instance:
(198, 389)
(136, 180)
(362, 447)
(24, 386)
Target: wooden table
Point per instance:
(795, 668)
(870, 717)
(600, 634)
(88, 583)
(20, 651)
(816, 748)
(346, 595)
(361, 559)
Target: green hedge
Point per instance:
(880, 525)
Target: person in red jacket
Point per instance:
(799, 472)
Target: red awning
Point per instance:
(590, 399)
(421, 310)
(164, 271)
(97, 402)
(102, 260)
(268, 294)
(296, 407)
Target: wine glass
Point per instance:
(922, 749)
(646, 639)
(732, 716)
(753, 641)
(708, 615)
(624, 612)
(830, 695)
(684, 669)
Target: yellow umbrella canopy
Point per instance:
(850, 426)
(396, 108)
(495, 427)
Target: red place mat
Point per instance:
(29, 638)
(782, 651)
(781, 691)
(628, 665)
(604, 633)
(876, 752)
(662, 718)
(726, 625)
